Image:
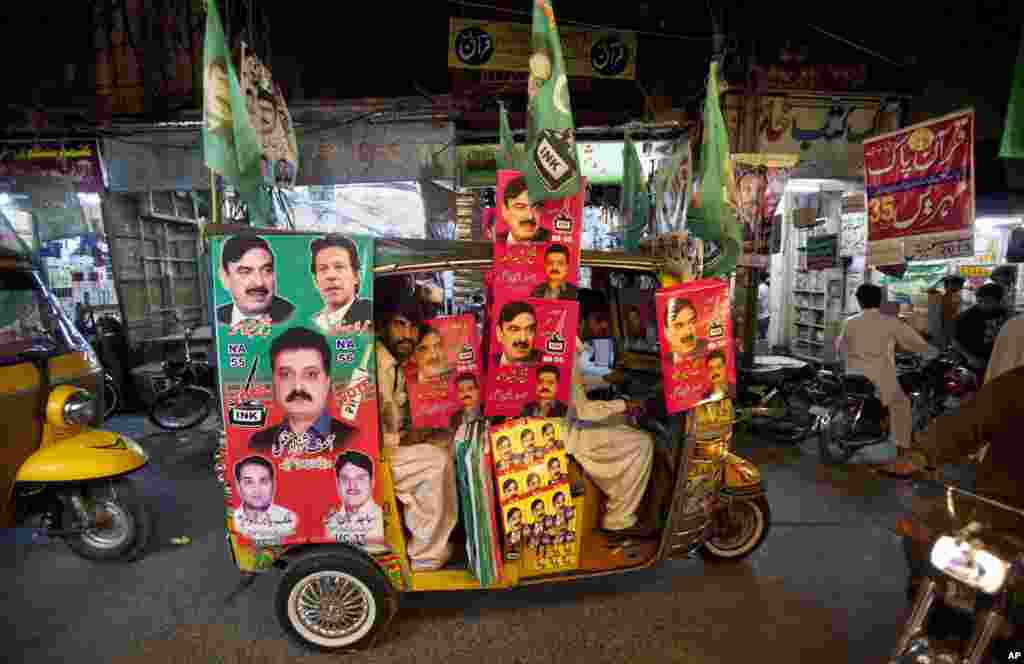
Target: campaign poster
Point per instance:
(296, 368)
(536, 505)
(638, 319)
(443, 376)
(696, 343)
(760, 183)
(531, 354)
(536, 247)
(270, 118)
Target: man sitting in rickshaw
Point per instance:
(422, 467)
(617, 456)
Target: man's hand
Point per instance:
(614, 377)
(635, 408)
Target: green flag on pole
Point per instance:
(552, 169)
(231, 147)
(636, 202)
(711, 216)
(1012, 146)
(510, 156)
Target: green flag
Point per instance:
(552, 169)
(636, 202)
(1012, 146)
(231, 147)
(712, 216)
(510, 156)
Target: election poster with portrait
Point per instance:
(270, 118)
(536, 246)
(530, 357)
(296, 368)
(696, 343)
(444, 377)
(760, 183)
(536, 505)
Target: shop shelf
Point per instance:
(820, 327)
(803, 290)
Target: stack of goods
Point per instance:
(538, 514)
(473, 459)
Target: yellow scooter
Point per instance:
(58, 474)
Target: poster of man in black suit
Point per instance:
(247, 271)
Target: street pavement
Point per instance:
(827, 585)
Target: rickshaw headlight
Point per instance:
(969, 563)
(79, 408)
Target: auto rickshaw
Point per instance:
(706, 500)
(60, 476)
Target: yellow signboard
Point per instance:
(500, 46)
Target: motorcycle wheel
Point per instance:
(124, 523)
(181, 407)
(749, 522)
(111, 396)
(831, 439)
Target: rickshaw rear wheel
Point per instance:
(749, 522)
(335, 600)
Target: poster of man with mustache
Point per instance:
(297, 393)
(536, 247)
(444, 376)
(696, 342)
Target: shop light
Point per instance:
(985, 224)
(811, 185)
(5, 199)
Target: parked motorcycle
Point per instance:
(191, 393)
(96, 330)
(975, 556)
(775, 397)
(855, 417)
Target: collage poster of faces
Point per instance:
(534, 291)
(444, 377)
(296, 365)
(537, 511)
(696, 343)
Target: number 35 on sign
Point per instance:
(882, 210)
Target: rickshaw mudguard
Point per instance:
(87, 455)
(742, 478)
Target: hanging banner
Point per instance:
(760, 182)
(920, 183)
(444, 374)
(269, 116)
(537, 511)
(696, 341)
(530, 362)
(76, 163)
(296, 368)
(498, 46)
(388, 152)
(672, 180)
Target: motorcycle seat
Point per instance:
(859, 386)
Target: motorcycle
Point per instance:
(775, 397)
(191, 394)
(975, 556)
(854, 418)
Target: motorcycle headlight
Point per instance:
(70, 406)
(969, 563)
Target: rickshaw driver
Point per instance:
(422, 472)
(617, 457)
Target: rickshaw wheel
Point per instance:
(749, 522)
(336, 600)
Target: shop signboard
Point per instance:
(73, 162)
(822, 251)
(696, 338)
(499, 46)
(919, 182)
(297, 382)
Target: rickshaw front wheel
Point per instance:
(336, 600)
(745, 525)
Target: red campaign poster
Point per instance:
(530, 362)
(444, 374)
(920, 179)
(696, 341)
(536, 247)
